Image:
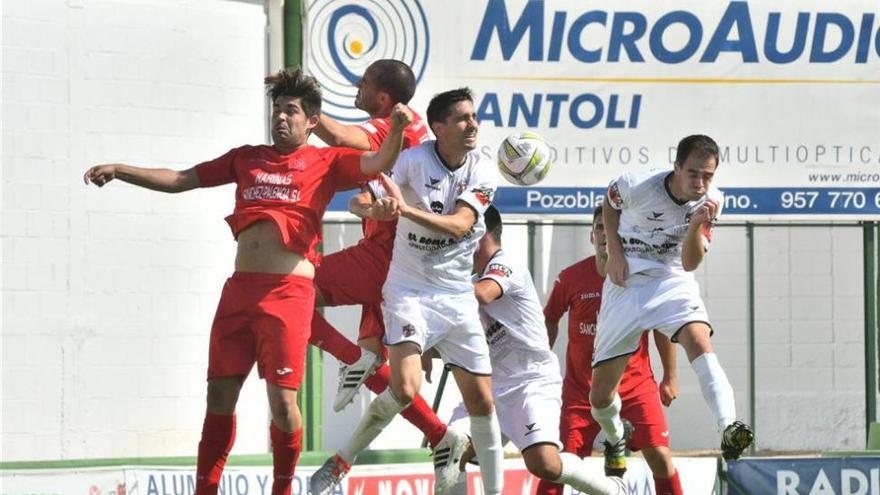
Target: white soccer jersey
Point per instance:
(652, 223)
(518, 345)
(428, 259)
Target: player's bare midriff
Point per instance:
(260, 249)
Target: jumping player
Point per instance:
(441, 188)
(658, 227)
(265, 309)
(525, 373)
(355, 275)
(578, 291)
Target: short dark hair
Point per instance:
(493, 223)
(441, 105)
(395, 78)
(296, 84)
(699, 144)
(597, 213)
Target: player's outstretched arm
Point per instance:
(335, 133)
(157, 179)
(456, 224)
(616, 268)
(669, 383)
(381, 161)
(693, 249)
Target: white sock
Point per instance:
(486, 436)
(609, 419)
(576, 474)
(380, 412)
(716, 388)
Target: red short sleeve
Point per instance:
(346, 169)
(557, 303)
(218, 171)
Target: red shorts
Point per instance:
(355, 275)
(578, 429)
(264, 318)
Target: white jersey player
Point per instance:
(658, 229)
(526, 379)
(441, 190)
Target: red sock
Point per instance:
(218, 435)
(549, 488)
(668, 486)
(329, 339)
(419, 413)
(285, 452)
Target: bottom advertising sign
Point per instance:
(802, 476)
(697, 476)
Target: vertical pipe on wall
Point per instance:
(869, 248)
(750, 235)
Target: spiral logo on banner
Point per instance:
(346, 36)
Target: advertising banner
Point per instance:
(789, 90)
(826, 475)
(697, 475)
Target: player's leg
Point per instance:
(476, 392)
(231, 355)
(651, 437)
(281, 324)
(716, 388)
(577, 432)
(606, 406)
(547, 463)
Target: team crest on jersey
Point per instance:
(483, 195)
(437, 207)
(614, 196)
(409, 330)
(298, 165)
(498, 269)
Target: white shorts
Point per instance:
(664, 303)
(450, 323)
(528, 413)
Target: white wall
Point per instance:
(108, 294)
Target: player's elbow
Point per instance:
(483, 296)
(690, 265)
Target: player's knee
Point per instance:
(405, 392)
(544, 467)
(223, 395)
(480, 406)
(599, 400)
(660, 461)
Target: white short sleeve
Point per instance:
(480, 189)
(500, 272)
(619, 191)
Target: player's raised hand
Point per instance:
(705, 213)
(401, 116)
(668, 390)
(384, 209)
(393, 191)
(100, 174)
(617, 269)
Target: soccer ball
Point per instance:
(524, 158)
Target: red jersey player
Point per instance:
(355, 275)
(266, 305)
(578, 290)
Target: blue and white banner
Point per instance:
(820, 476)
(789, 90)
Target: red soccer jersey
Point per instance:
(377, 130)
(291, 190)
(578, 290)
